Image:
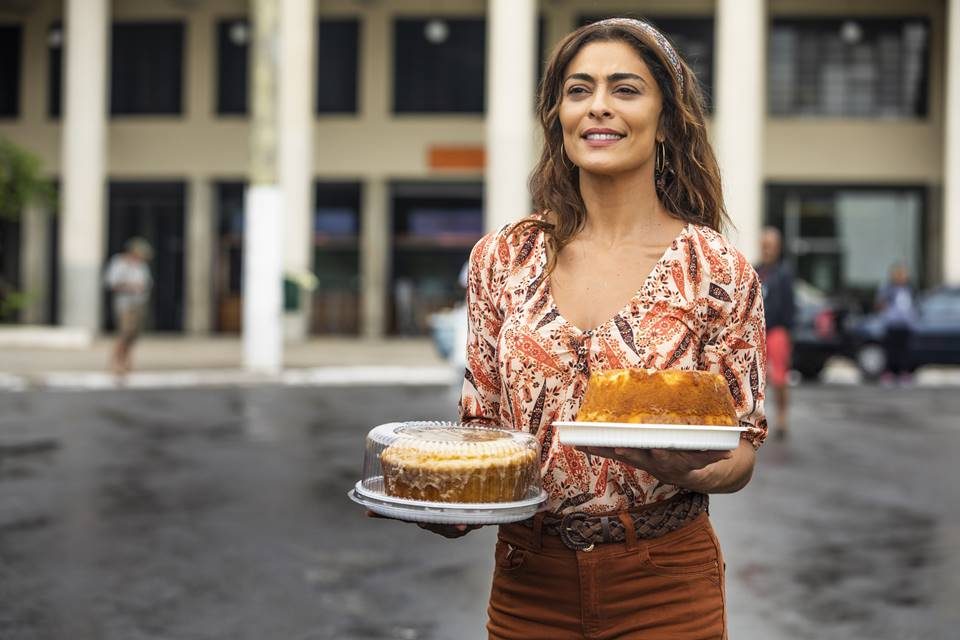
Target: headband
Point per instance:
(662, 42)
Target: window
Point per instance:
(336, 258)
(147, 68)
(439, 65)
(435, 225)
(228, 263)
(233, 53)
(337, 66)
(155, 211)
(10, 45)
(844, 238)
(693, 38)
(11, 241)
(942, 305)
(855, 67)
(55, 68)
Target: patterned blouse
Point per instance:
(699, 308)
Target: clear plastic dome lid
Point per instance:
(448, 462)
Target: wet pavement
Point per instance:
(216, 514)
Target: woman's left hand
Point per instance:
(687, 469)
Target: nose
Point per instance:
(598, 106)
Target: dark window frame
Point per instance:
(128, 105)
(775, 194)
(55, 72)
(347, 103)
(337, 259)
(412, 105)
(837, 21)
(167, 306)
(445, 250)
(16, 43)
(222, 31)
(343, 103)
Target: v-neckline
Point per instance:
(654, 270)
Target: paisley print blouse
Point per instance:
(527, 367)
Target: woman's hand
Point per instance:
(449, 530)
(445, 530)
(706, 471)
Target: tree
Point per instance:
(21, 181)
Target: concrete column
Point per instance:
(200, 66)
(376, 71)
(298, 27)
(951, 169)
(34, 263)
(263, 228)
(374, 258)
(375, 91)
(82, 219)
(511, 45)
(200, 251)
(740, 115)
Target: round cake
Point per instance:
(460, 464)
(658, 397)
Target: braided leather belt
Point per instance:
(581, 531)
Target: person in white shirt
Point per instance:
(128, 278)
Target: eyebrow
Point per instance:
(613, 77)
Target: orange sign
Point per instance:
(443, 157)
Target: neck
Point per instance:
(623, 205)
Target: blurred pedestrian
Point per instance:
(895, 302)
(779, 310)
(622, 266)
(128, 278)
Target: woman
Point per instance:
(895, 302)
(623, 267)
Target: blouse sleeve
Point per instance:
(480, 398)
(738, 352)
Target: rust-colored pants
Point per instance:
(669, 587)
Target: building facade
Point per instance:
(834, 120)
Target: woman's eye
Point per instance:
(576, 90)
(627, 90)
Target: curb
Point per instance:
(314, 377)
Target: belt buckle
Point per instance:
(570, 537)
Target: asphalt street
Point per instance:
(222, 514)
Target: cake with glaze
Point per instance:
(461, 464)
(658, 397)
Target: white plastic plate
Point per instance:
(649, 436)
(444, 512)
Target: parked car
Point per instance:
(818, 328)
(935, 338)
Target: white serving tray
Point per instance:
(372, 497)
(649, 436)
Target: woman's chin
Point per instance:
(606, 169)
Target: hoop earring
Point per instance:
(659, 166)
(564, 159)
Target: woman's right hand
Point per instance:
(449, 530)
(445, 530)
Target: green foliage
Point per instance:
(21, 181)
(11, 302)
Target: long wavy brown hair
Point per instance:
(691, 178)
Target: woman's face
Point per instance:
(609, 110)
